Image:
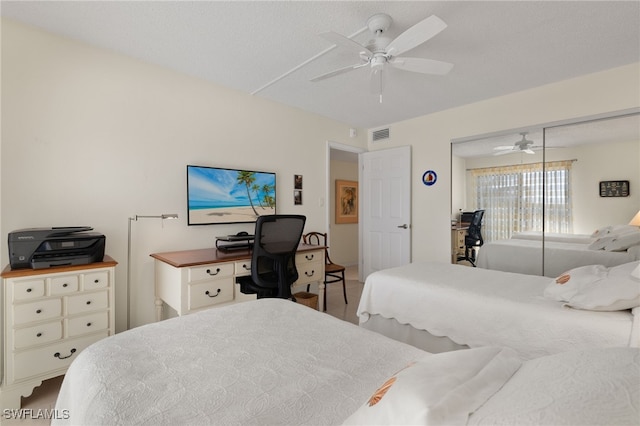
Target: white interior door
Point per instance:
(385, 188)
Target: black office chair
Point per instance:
(473, 238)
(273, 260)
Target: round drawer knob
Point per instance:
(88, 302)
(29, 290)
(88, 324)
(39, 335)
(38, 311)
(65, 285)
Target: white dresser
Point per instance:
(49, 317)
(192, 280)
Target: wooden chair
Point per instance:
(333, 272)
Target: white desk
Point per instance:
(191, 280)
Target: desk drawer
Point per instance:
(207, 272)
(50, 358)
(95, 280)
(210, 293)
(243, 267)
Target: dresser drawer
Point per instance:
(95, 280)
(243, 268)
(37, 311)
(210, 293)
(64, 284)
(206, 272)
(87, 302)
(309, 272)
(41, 333)
(51, 358)
(28, 289)
(78, 326)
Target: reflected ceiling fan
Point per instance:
(381, 52)
(524, 145)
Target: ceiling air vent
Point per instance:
(379, 135)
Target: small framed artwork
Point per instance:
(614, 188)
(346, 201)
(297, 190)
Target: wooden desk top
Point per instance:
(107, 261)
(181, 259)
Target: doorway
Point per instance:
(343, 238)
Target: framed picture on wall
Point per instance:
(346, 201)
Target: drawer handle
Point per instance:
(308, 257)
(215, 295)
(248, 268)
(310, 274)
(57, 354)
(38, 311)
(29, 290)
(211, 273)
(88, 324)
(65, 285)
(88, 302)
(39, 335)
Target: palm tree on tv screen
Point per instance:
(247, 178)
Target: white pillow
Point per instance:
(601, 242)
(568, 284)
(440, 389)
(618, 291)
(613, 229)
(622, 242)
(597, 288)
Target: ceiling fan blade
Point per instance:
(528, 151)
(421, 65)
(504, 147)
(507, 151)
(343, 41)
(338, 72)
(416, 35)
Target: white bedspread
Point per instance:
(218, 367)
(525, 256)
(479, 307)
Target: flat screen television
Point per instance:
(218, 195)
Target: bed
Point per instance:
(275, 362)
(441, 307)
(525, 256)
(523, 253)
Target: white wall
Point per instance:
(430, 136)
(344, 236)
(90, 137)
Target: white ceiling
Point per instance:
(497, 47)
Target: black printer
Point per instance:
(40, 248)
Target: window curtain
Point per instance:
(524, 197)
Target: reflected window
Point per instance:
(524, 197)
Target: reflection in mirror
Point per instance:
(604, 150)
(535, 197)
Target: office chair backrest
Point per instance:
(274, 250)
(474, 231)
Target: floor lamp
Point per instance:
(132, 219)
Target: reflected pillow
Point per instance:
(622, 242)
(597, 288)
(439, 389)
(613, 230)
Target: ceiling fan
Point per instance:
(524, 145)
(381, 52)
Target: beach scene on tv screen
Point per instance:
(226, 195)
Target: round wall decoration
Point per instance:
(429, 177)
